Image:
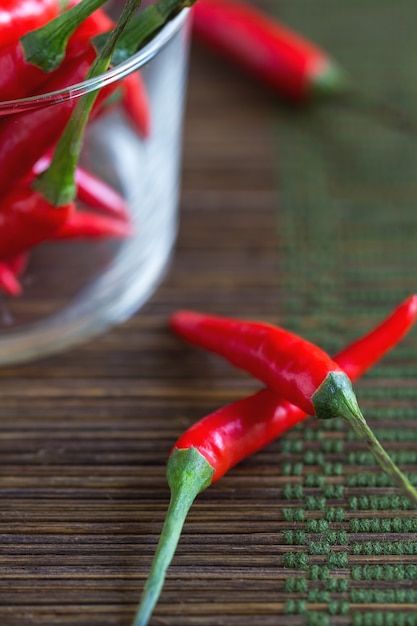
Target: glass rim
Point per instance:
(120, 71)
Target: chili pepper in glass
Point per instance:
(17, 17)
(85, 225)
(38, 129)
(91, 190)
(294, 367)
(23, 68)
(10, 272)
(215, 444)
(34, 213)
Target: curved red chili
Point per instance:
(91, 190)
(19, 76)
(271, 52)
(17, 17)
(281, 359)
(27, 219)
(27, 136)
(136, 103)
(209, 448)
(84, 225)
(298, 370)
(238, 430)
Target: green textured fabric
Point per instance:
(347, 223)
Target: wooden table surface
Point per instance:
(85, 435)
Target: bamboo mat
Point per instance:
(306, 532)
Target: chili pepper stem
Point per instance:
(188, 473)
(57, 183)
(45, 47)
(335, 398)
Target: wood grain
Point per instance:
(84, 436)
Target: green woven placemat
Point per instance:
(347, 224)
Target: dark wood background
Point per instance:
(85, 435)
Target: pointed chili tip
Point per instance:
(411, 301)
(188, 473)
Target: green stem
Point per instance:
(336, 398)
(188, 473)
(57, 183)
(45, 47)
(143, 27)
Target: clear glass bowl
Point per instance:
(75, 290)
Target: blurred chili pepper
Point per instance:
(84, 225)
(18, 17)
(32, 214)
(10, 271)
(209, 448)
(134, 98)
(26, 219)
(19, 76)
(27, 136)
(99, 195)
(136, 103)
(271, 52)
(91, 190)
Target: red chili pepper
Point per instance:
(271, 52)
(10, 272)
(136, 103)
(83, 225)
(18, 17)
(209, 448)
(91, 190)
(26, 219)
(295, 368)
(19, 76)
(99, 195)
(27, 136)
(292, 366)
(31, 214)
(96, 23)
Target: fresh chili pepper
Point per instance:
(134, 98)
(18, 17)
(297, 369)
(46, 47)
(10, 272)
(58, 182)
(136, 103)
(83, 225)
(32, 214)
(271, 52)
(38, 129)
(25, 137)
(20, 75)
(91, 190)
(97, 194)
(209, 448)
(27, 218)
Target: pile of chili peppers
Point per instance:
(301, 380)
(47, 46)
